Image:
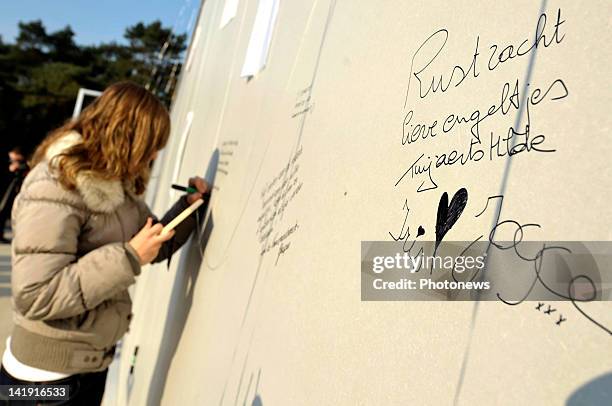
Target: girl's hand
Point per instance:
(148, 241)
(201, 185)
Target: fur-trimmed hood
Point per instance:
(98, 194)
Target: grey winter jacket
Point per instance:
(72, 266)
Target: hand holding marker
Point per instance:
(196, 189)
(188, 189)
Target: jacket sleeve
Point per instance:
(182, 231)
(49, 278)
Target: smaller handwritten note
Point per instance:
(275, 197)
(226, 155)
(303, 103)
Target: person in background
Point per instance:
(19, 168)
(82, 233)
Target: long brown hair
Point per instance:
(121, 130)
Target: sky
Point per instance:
(95, 21)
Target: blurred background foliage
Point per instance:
(41, 73)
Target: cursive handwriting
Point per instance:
(425, 55)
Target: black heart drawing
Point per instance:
(421, 231)
(448, 215)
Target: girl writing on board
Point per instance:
(81, 235)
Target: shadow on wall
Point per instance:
(181, 297)
(593, 393)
